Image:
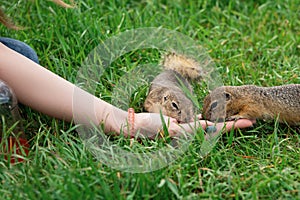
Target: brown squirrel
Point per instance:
(167, 93)
(253, 102)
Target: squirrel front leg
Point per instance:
(236, 117)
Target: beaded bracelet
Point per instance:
(131, 121)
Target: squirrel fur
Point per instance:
(254, 102)
(166, 92)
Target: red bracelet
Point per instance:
(131, 121)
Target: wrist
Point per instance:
(119, 121)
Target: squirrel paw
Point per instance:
(235, 117)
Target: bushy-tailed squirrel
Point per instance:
(253, 102)
(168, 91)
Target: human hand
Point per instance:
(210, 127)
(149, 125)
(215, 128)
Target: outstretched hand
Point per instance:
(214, 127)
(149, 125)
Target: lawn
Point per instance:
(250, 42)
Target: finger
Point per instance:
(172, 120)
(241, 123)
(191, 128)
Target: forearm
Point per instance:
(50, 94)
(35, 86)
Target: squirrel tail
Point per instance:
(187, 67)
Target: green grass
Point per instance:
(251, 42)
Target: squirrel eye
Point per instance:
(214, 105)
(175, 105)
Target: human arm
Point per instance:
(46, 92)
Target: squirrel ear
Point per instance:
(227, 96)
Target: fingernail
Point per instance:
(211, 129)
